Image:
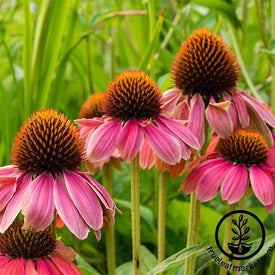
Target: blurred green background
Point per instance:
(55, 54)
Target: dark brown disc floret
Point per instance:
(132, 94)
(47, 142)
(244, 147)
(27, 244)
(205, 65)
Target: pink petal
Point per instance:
(85, 200)
(65, 265)
(67, 210)
(271, 156)
(98, 235)
(11, 268)
(180, 131)
(209, 183)
(9, 171)
(261, 110)
(7, 189)
(38, 206)
(13, 207)
(3, 260)
(262, 185)
(235, 183)
(129, 140)
(169, 100)
(219, 119)
(42, 268)
(241, 110)
(182, 111)
(257, 124)
(65, 251)
(146, 156)
(196, 118)
(30, 268)
(89, 123)
(165, 146)
(50, 265)
(190, 182)
(102, 142)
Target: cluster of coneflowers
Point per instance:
(134, 122)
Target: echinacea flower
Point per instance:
(92, 108)
(45, 178)
(30, 252)
(205, 73)
(242, 158)
(132, 106)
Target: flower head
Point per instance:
(33, 252)
(45, 178)
(133, 106)
(205, 73)
(205, 65)
(244, 156)
(92, 107)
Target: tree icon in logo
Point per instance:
(240, 248)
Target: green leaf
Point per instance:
(85, 268)
(222, 6)
(178, 258)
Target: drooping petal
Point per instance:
(261, 110)
(130, 140)
(38, 206)
(7, 189)
(12, 267)
(146, 156)
(235, 183)
(51, 267)
(30, 268)
(12, 209)
(257, 124)
(190, 182)
(165, 146)
(209, 183)
(67, 210)
(169, 100)
(65, 265)
(196, 118)
(85, 200)
(102, 142)
(89, 123)
(271, 156)
(180, 131)
(182, 111)
(41, 267)
(65, 251)
(262, 185)
(219, 119)
(9, 170)
(241, 110)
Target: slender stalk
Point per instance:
(241, 206)
(227, 238)
(110, 230)
(162, 215)
(193, 232)
(242, 64)
(271, 269)
(88, 54)
(135, 193)
(272, 92)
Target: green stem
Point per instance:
(241, 206)
(135, 193)
(242, 64)
(193, 232)
(272, 95)
(110, 230)
(162, 215)
(53, 225)
(271, 269)
(227, 238)
(88, 54)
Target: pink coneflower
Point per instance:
(132, 106)
(241, 158)
(45, 177)
(90, 109)
(205, 73)
(30, 252)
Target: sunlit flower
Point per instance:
(205, 73)
(30, 252)
(45, 178)
(241, 158)
(90, 109)
(132, 106)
